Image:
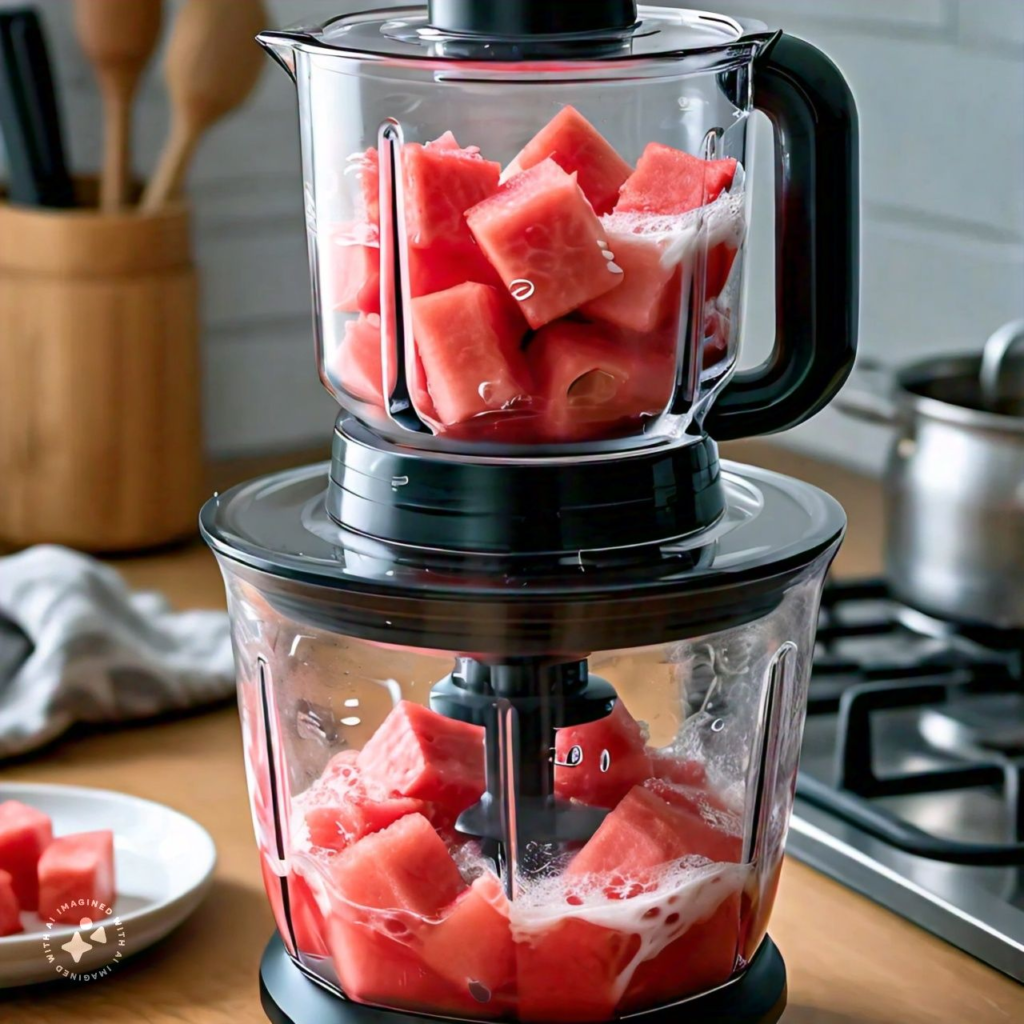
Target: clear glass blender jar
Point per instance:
(514, 789)
(537, 240)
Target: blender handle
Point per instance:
(817, 245)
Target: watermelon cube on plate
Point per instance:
(546, 242)
(702, 958)
(24, 834)
(593, 380)
(471, 946)
(599, 762)
(419, 753)
(468, 338)
(667, 180)
(578, 148)
(10, 910)
(76, 873)
(641, 302)
(570, 970)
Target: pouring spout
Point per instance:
(281, 46)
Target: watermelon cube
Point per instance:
(419, 753)
(600, 762)
(358, 364)
(702, 958)
(578, 148)
(667, 180)
(350, 269)
(710, 830)
(570, 971)
(641, 302)
(383, 888)
(594, 381)
(76, 877)
(655, 824)
(10, 910)
(343, 807)
(468, 338)
(24, 834)
(678, 770)
(471, 946)
(546, 242)
(405, 866)
(446, 264)
(442, 181)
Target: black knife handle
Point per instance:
(29, 117)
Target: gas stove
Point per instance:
(910, 788)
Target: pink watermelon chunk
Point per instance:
(405, 866)
(445, 265)
(569, 972)
(10, 910)
(667, 180)
(702, 958)
(545, 241)
(640, 302)
(24, 834)
(708, 828)
(419, 753)
(468, 338)
(344, 806)
(358, 365)
(596, 382)
(472, 945)
(75, 871)
(578, 148)
(655, 824)
(600, 762)
(441, 181)
(678, 770)
(351, 272)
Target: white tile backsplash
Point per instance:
(940, 87)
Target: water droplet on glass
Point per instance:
(399, 481)
(351, 720)
(602, 245)
(352, 702)
(615, 268)
(486, 391)
(608, 254)
(521, 289)
(606, 760)
(718, 725)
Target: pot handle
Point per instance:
(869, 395)
(817, 207)
(997, 350)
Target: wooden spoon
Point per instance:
(118, 38)
(212, 64)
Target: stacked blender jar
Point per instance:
(523, 670)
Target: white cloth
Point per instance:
(76, 645)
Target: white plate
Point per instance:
(163, 864)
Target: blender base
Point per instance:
(290, 997)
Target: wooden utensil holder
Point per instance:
(100, 389)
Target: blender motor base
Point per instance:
(289, 997)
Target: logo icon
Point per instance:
(93, 950)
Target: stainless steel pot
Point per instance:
(954, 484)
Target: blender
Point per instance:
(522, 670)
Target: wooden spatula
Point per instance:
(118, 38)
(212, 64)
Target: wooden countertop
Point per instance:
(849, 960)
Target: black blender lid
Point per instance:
(276, 533)
(512, 30)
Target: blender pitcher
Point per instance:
(527, 221)
(523, 669)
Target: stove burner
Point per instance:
(912, 772)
